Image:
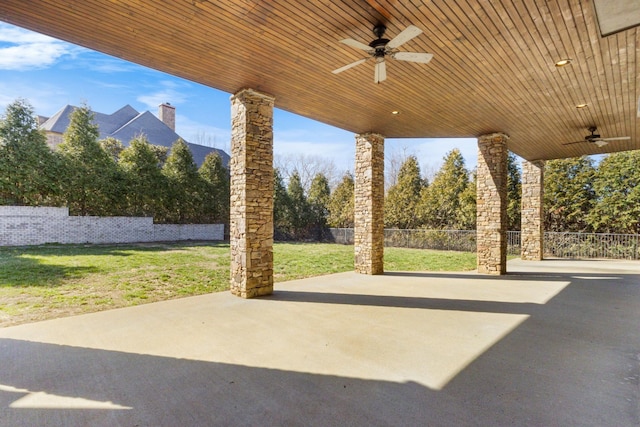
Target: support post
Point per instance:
(492, 203)
(532, 229)
(369, 204)
(251, 217)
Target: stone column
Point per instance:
(251, 219)
(532, 234)
(492, 204)
(369, 204)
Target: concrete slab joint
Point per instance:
(492, 203)
(251, 219)
(369, 204)
(532, 230)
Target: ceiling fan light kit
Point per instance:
(381, 48)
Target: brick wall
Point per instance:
(22, 225)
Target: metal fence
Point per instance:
(561, 245)
(592, 245)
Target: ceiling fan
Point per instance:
(381, 48)
(594, 138)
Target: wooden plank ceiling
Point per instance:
(493, 67)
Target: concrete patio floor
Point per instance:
(551, 343)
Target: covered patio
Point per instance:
(552, 343)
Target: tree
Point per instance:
(617, 194)
(341, 204)
(441, 202)
(112, 146)
(404, 197)
(300, 216)
(467, 212)
(215, 197)
(145, 182)
(281, 206)
(93, 185)
(319, 195)
(184, 184)
(514, 193)
(307, 166)
(568, 194)
(29, 170)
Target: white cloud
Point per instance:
(24, 50)
(169, 92)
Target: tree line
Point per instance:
(95, 177)
(102, 177)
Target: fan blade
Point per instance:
(407, 34)
(356, 44)
(381, 72)
(617, 138)
(346, 67)
(575, 142)
(422, 58)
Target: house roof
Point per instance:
(126, 124)
(493, 67)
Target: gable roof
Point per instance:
(126, 124)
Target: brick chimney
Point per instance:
(167, 113)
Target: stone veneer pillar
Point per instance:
(532, 234)
(492, 203)
(251, 219)
(369, 204)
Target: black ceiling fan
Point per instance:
(381, 48)
(594, 138)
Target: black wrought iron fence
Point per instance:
(561, 245)
(592, 245)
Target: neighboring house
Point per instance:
(126, 124)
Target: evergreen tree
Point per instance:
(281, 207)
(400, 208)
(467, 213)
(112, 146)
(93, 185)
(184, 184)
(145, 182)
(617, 191)
(29, 170)
(441, 202)
(568, 194)
(215, 197)
(514, 193)
(341, 204)
(319, 195)
(300, 215)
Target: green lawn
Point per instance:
(51, 281)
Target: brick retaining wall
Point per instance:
(23, 225)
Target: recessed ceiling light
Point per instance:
(395, 112)
(581, 105)
(563, 62)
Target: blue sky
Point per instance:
(51, 74)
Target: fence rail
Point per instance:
(556, 244)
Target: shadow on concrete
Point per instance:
(575, 360)
(406, 302)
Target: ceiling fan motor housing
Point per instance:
(379, 44)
